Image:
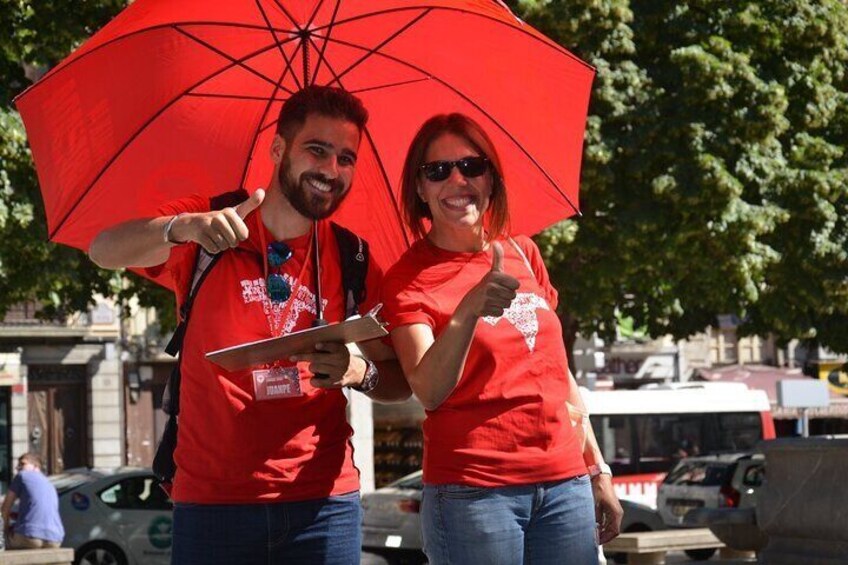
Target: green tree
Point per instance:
(714, 170)
(63, 280)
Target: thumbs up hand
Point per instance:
(217, 230)
(252, 203)
(495, 291)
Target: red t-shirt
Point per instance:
(232, 448)
(506, 422)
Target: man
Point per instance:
(38, 523)
(265, 473)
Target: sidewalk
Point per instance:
(674, 558)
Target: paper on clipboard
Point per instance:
(264, 351)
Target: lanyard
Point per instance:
(278, 312)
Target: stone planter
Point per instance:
(803, 506)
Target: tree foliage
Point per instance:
(63, 280)
(714, 176)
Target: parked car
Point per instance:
(114, 516)
(713, 481)
(391, 524)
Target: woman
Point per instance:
(473, 318)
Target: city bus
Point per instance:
(643, 433)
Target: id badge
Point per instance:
(276, 382)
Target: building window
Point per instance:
(724, 348)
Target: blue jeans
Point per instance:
(545, 523)
(322, 531)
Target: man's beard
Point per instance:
(309, 205)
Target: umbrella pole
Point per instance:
(304, 43)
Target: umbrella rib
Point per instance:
(324, 46)
(380, 165)
(376, 49)
(286, 12)
(58, 70)
(311, 19)
(389, 85)
(543, 40)
(266, 126)
(388, 184)
(259, 128)
(280, 47)
(233, 96)
(256, 134)
(475, 105)
(143, 128)
(228, 57)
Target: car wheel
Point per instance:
(100, 553)
(700, 554)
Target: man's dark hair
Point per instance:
(322, 100)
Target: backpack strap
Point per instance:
(202, 264)
(354, 256)
(163, 462)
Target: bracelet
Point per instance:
(167, 232)
(371, 378)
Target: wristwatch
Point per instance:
(371, 378)
(599, 469)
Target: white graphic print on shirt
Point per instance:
(304, 301)
(522, 314)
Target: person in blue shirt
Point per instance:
(38, 523)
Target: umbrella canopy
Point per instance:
(175, 97)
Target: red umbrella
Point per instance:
(181, 96)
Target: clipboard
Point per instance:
(264, 351)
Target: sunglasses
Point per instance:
(469, 167)
(279, 289)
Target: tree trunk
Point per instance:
(569, 334)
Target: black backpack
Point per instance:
(353, 253)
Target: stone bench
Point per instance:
(650, 548)
(57, 556)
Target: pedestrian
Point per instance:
(507, 479)
(38, 523)
(265, 473)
